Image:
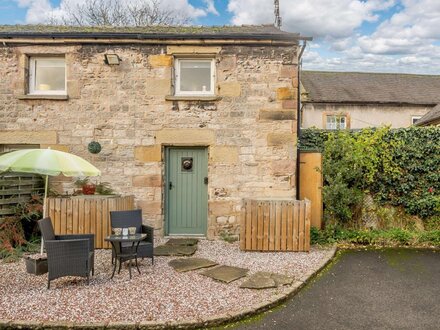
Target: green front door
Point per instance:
(186, 191)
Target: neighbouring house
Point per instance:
(431, 118)
(355, 100)
(191, 120)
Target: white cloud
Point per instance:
(39, 11)
(210, 7)
(317, 18)
(407, 32)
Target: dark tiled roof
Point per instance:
(356, 87)
(431, 117)
(268, 32)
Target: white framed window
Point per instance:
(47, 75)
(336, 122)
(414, 119)
(194, 77)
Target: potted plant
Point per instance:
(88, 188)
(36, 263)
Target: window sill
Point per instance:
(43, 97)
(192, 98)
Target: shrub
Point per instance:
(400, 167)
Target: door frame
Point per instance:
(167, 149)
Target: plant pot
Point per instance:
(36, 266)
(89, 189)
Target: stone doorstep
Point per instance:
(186, 324)
(182, 241)
(174, 250)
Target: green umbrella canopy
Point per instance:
(46, 162)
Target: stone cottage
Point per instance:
(356, 100)
(191, 120)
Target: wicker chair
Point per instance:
(67, 255)
(133, 218)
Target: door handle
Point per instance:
(205, 180)
(170, 185)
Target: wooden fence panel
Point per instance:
(82, 215)
(275, 225)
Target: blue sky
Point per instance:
(349, 35)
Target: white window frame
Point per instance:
(336, 124)
(32, 76)
(177, 75)
(414, 119)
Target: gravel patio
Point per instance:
(158, 294)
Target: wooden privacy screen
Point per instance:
(86, 215)
(275, 225)
(310, 184)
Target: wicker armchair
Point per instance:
(133, 218)
(67, 255)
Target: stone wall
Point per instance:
(250, 131)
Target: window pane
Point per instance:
(195, 76)
(50, 75)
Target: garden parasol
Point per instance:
(46, 162)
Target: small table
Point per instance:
(127, 252)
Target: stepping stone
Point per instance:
(184, 265)
(265, 280)
(182, 241)
(226, 274)
(174, 250)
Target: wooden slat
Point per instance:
(260, 226)
(295, 225)
(278, 226)
(266, 226)
(272, 226)
(248, 225)
(69, 216)
(301, 227)
(81, 225)
(290, 208)
(283, 220)
(254, 227)
(243, 227)
(307, 219)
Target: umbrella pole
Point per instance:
(44, 208)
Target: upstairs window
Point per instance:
(47, 75)
(195, 77)
(336, 122)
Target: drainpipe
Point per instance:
(298, 118)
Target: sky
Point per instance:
(348, 35)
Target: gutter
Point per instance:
(298, 119)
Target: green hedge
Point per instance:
(400, 167)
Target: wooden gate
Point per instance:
(310, 186)
(275, 225)
(86, 215)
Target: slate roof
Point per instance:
(264, 32)
(432, 117)
(356, 87)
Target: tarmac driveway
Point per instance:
(368, 289)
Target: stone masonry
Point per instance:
(250, 128)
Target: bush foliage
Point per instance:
(399, 167)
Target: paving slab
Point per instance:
(187, 264)
(182, 241)
(174, 250)
(226, 274)
(266, 280)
